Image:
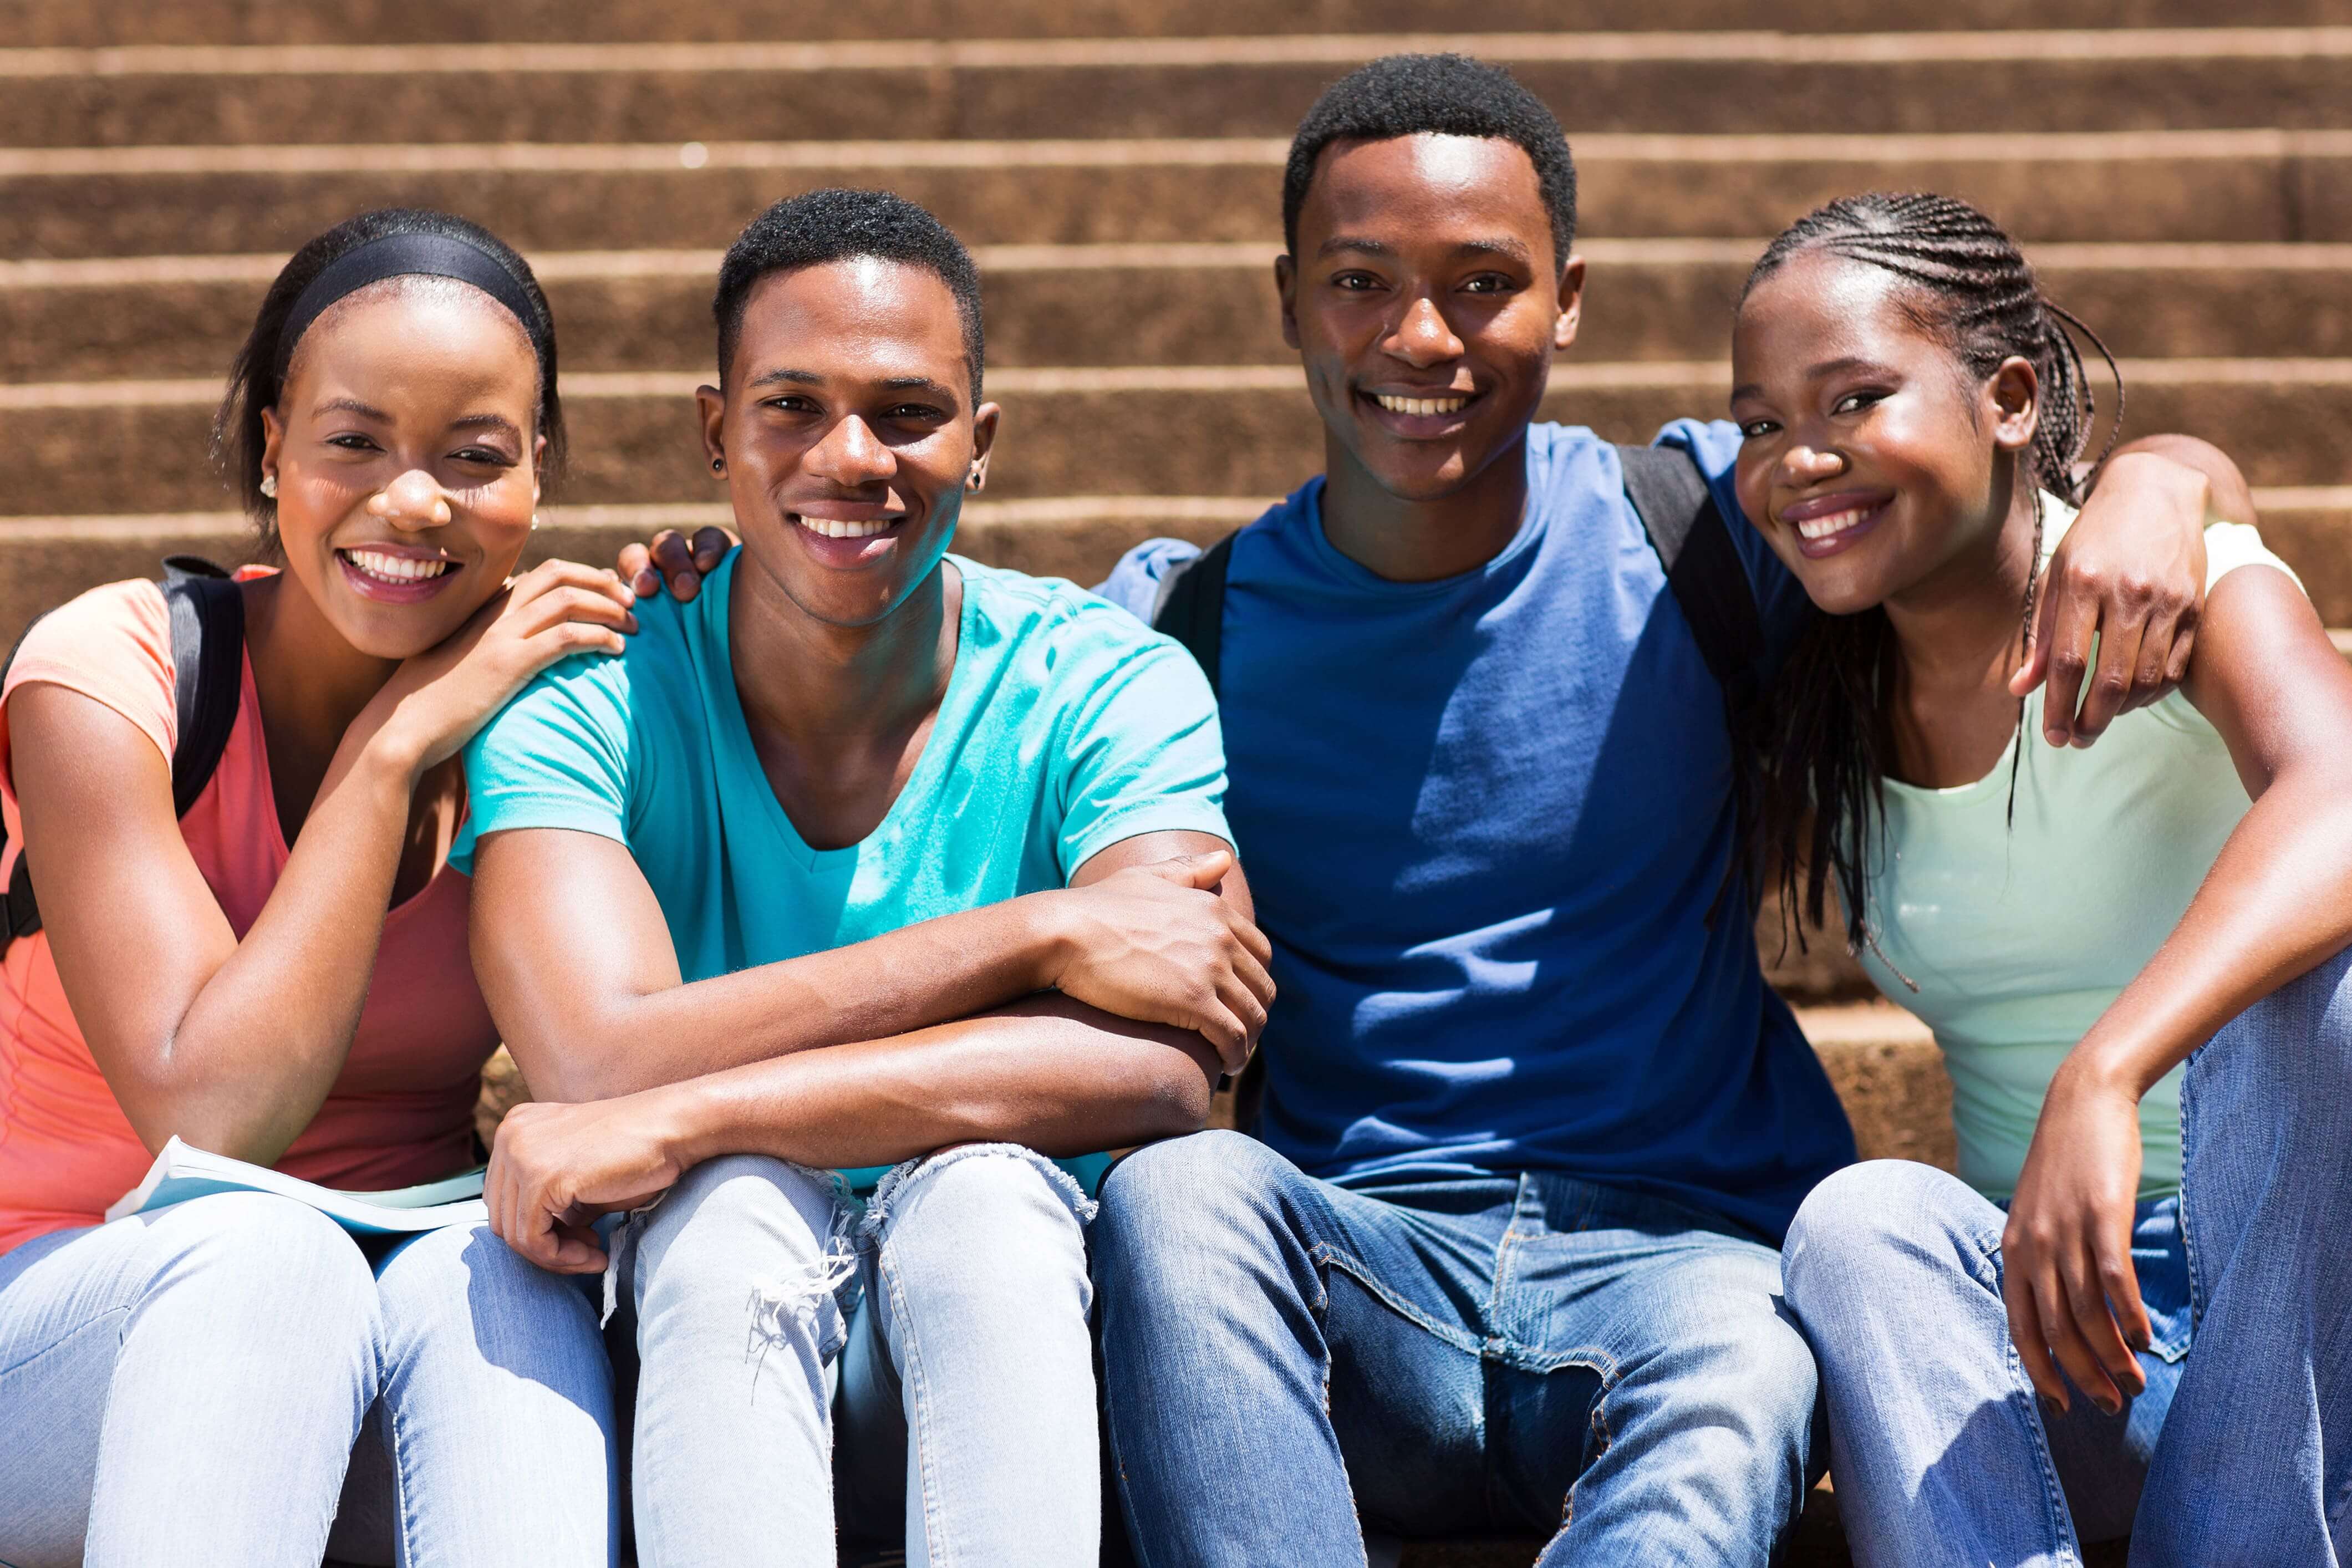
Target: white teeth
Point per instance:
(397, 568)
(1420, 405)
(833, 529)
(1822, 527)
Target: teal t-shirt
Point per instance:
(2011, 932)
(1067, 727)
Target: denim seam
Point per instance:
(1330, 1256)
(402, 1493)
(1605, 1364)
(2197, 1291)
(2026, 1400)
(96, 1320)
(919, 1424)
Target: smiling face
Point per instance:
(847, 433)
(405, 448)
(1425, 302)
(1871, 458)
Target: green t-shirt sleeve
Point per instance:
(555, 756)
(1142, 752)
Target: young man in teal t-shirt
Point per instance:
(774, 898)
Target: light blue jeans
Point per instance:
(2241, 1450)
(922, 1357)
(1283, 1357)
(187, 1386)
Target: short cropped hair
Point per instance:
(1447, 95)
(829, 226)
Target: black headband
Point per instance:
(405, 256)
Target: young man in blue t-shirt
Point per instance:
(1532, 1121)
(770, 899)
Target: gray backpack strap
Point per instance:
(1191, 606)
(1710, 583)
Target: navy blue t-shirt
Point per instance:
(1484, 819)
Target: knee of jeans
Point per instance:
(1858, 1222)
(268, 1267)
(1742, 1367)
(980, 1196)
(737, 1230)
(1182, 1195)
(461, 1271)
(742, 1200)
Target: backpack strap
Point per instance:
(1703, 567)
(1710, 583)
(207, 618)
(208, 656)
(1191, 606)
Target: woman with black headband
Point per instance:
(278, 970)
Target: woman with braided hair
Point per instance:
(2121, 1029)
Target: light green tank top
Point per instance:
(2020, 937)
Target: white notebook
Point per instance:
(181, 1172)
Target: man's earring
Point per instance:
(718, 465)
(534, 520)
(269, 486)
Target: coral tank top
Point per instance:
(401, 1113)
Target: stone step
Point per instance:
(1682, 83)
(1236, 430)
(80, 23)
(47, 560)
(1175, 304)
(2233, 186)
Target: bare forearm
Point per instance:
(257, 1052)
(2233, 500)
(1050, 1074)
(891, 985)
(2278, 900)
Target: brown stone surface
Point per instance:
(1134, 88)
(502, 1090)
(2222, 186)
(80, 24)
(1897, 1096)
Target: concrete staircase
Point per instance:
(2186, 188)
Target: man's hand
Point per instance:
(1155, 943)
(672, 558)
(556, 1168)
(2066, 1265)
(2131, 574)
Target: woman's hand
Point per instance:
(1154, 943)
(554, 1169)
(2067, 1269)
(437, 700)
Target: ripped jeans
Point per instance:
(920, 1357)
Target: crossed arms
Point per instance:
(937, 1034)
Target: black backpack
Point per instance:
(208, 662)
(1702, 571)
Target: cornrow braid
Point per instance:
(1823, 799)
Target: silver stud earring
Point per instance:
(534, 520)
(269, 486)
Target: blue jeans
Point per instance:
(1283, 1357)
(919, 1362)
(2239, 1452)
(188, 1386)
